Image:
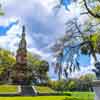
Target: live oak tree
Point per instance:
(39, 68)
(78, 39)
(6, 62)
(93, 11)
(75, 42)
(92, 6)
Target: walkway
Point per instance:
(27, 91)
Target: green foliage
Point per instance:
(72, 85)
(97, 9)
(57, 85)
(6, 60)
(1, 13)
(88, 77)
(84, 83)
(39, 67)
(93, 45)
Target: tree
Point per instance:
(58, 66)
(92, 46)
(65, 48)
(75, 34)
(6, 58)
(95, 13)
(39, 68)
(7, 61)
(75, 42)
(88, 77)
(86, 81)
(42, 71)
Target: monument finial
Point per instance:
(23, 29)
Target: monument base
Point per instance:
(96, 88)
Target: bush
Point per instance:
(81, 84)
(56, 85)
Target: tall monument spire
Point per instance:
(21, 56)
(23, 29)
(21, 73)
(22, 44)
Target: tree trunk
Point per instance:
(59, 75)
(92, 51)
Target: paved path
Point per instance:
(27, 91)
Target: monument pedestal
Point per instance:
(96, 88)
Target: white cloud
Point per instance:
(43, 27)
(39, 18)
(9, 40)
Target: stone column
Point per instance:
(96, 88)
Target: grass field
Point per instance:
(8, 88)
(83, 95)
(80, 95)
(75, 96)
(44, 89)
(39, 98)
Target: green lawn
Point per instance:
(44, 89)
(39, 98)
(80, 95)
(8, 88)
(75, 96)
(83, 95)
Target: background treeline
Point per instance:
(84, 83)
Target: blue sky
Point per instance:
(43, 27)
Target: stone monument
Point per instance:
(21, 73)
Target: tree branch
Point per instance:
(90, 12)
